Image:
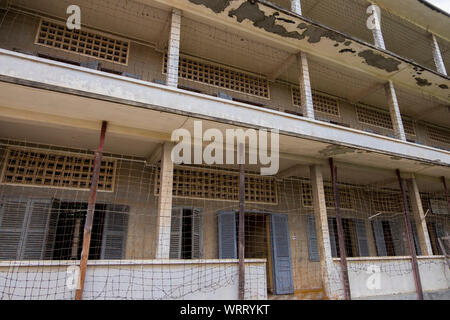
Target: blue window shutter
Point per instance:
(176, 230)
(361, 235)
(331, 222)
(416, 238)
(281, 255)
(115, 232)
(312, 239)
(197, 239)
(227, 235)
(12, 226)
(379, 238)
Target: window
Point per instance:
(84, 42)
(186, 234)
(390, 236)
(382, 119)
(439, 135)
(220, 76)
(355, 238)
(37, 229)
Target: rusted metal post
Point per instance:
(241, 156)
(412, 248)
(90, 212)
(446, 193)
(342, 249)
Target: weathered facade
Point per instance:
(333, 83)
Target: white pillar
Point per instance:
(173, 55)
(394, 110)
(419, 217)
(322, 231)
(305, 86)
(378, 38)
(165, 203)
(296, 7)
(437, 56)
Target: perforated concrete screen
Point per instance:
(322, 103)
(346, 196)
(85, 42)
(48, 169)
(221, 76)
(200, 183)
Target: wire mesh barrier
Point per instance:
(159, 232)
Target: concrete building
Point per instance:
(337, 79)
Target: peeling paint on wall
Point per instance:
(332, 151)
(378, 61)
(423, 82)
(217, 6)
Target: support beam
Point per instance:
(241, 156)
(173, 55)
(322, 231)
(165, 203)
(437, 56)
(409, 235)
(419, 217)
(282, 67)
(340, 229)
(305, 86)
(363, 93)
(156, 155)
(296, 7)
(90, 212)
(394, 110)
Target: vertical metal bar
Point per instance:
(342, 249)
(90, 212)
(241, 222)
(412, 248)
(446, 193)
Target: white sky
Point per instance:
(443, 4)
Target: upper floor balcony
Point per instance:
(229, 57)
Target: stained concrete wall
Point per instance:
(18, 32)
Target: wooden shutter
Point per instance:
(397, 237)
(331, 223)
(312, 239)
(38, 215)
(416, 239)
(115, 232)
(361, 235)
(227, 235)
(197, 239)
(176, 233)
(379, 238)
(12, 225)
(281, 255)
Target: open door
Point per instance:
(281, 255)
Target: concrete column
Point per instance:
(322, 231)
(394, 110)
(305, 86)
(378, 38)
(437, 56)
(418, 217)
(165, 203)
(173, 55)
(296, 6)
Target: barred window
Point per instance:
(48, 169)
(221, 76)
(322, 103)
(201, 183)
(85, 42)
